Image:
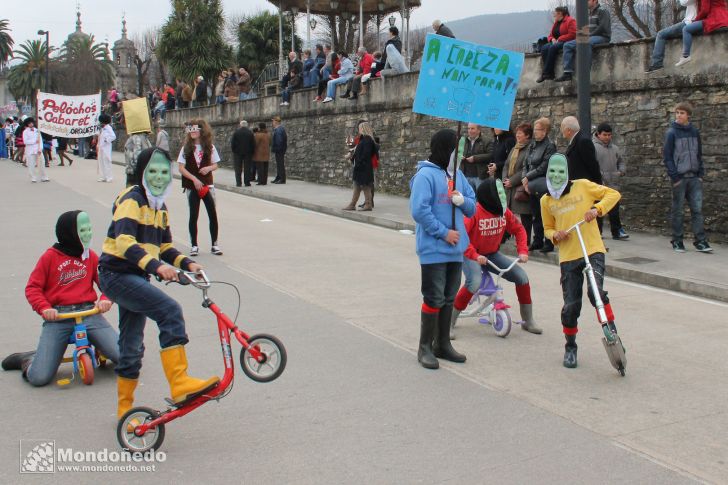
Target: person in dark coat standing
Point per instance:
(280, 145)
(363, 173)
(580, 153)
(477, 156)
(261, 155)
(442, 29)
(242, 145)
(201, 92)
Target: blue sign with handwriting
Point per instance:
(468, 82)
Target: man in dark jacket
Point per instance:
(580, 153)
(600, 32)
(280, 145)
(442, 29)
(201, 92)
(683, 158)
(476, 157)
(242, 145)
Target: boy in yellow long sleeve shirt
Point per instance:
(568, 202)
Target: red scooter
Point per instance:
(263, 359)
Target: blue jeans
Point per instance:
(473, 271)
(331, 86)
(220, 99)
(570, 50)
(658, 53)
(286, 95)
(54, 340)
(549, 53)
(690, 188)
(440, 283)
(688, 32)
(138, 299)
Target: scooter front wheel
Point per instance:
(273, 362)
(129, 440)
(86, 369)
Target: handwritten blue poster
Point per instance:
(468, 82)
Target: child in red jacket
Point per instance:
(62, 282)
(485, 229)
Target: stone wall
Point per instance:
(638, 106)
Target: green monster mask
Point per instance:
(158, 174)
(557, 175)
(83, 227)
(501, 194)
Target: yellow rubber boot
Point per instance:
(125, 390)
(174, 361)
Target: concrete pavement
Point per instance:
(644, 258)
(353, 405)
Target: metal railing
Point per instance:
(270, 73)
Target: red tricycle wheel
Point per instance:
(86, 369)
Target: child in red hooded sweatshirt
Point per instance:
(485, 229)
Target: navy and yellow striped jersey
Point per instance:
(139, 237)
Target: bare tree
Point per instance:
(146, 46)
(644, 18)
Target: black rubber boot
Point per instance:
(427, 332)
(15, 361)
(570, 352)
(442, 347)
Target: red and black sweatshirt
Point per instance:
(485, 231)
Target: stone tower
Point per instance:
(124, 52)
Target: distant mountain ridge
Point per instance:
(516, 31)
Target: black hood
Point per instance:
(67, 234)
(488, 197)
(442, 144)
(143, 161)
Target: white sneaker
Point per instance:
(45, 180)
(194, 251)
(285, 103)
(328, 100)
(683, 61)
(33, 181)
(101, 180)
(216, 250)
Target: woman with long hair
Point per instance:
(518, 199)
(363, 173)
(197, 159)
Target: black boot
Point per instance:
(548, 247)
(570, 351)
(427, 332)
(15, 361)
(442, 347)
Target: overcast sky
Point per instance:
(103, 17)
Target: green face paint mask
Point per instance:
(158, 174)
(501, 194)
(83, 227)
(557, 175)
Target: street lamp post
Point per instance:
(334, 5)
(294, 13)
(48, 56)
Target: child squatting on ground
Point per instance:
(568, 202)
(139, 236)
(62, 282)
(440, 244)
(485, 230)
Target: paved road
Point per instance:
(353, 405)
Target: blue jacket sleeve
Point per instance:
(668, 153)
(421, 208)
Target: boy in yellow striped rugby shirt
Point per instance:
(137, 246)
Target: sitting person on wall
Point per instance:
(712, 15)
(364, 67)
(328, 75)
(563, 30)
(345, 72)
(376, 69)
(231, 91)
(672, 32)
(294, 82)
(294, 66)
(319, 61)
(600, 32)
(395, 63)
(308, 65)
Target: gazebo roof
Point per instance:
(323, 7)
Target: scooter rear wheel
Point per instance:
(151, 440)
(273, 363)
(86, 369)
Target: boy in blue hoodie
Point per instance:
(440, 245)
(683, 158)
